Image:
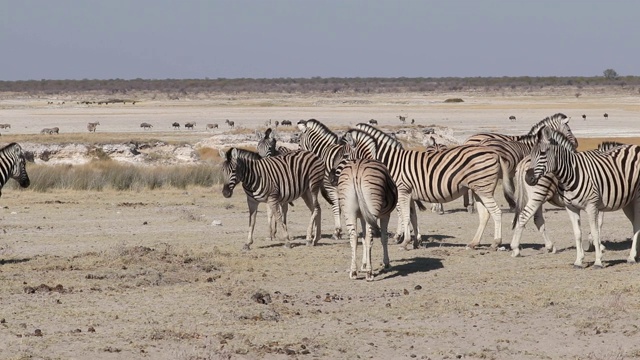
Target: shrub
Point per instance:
(454, 100)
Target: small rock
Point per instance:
(38, 332)
(216, 223)
(91, 329)
(418, 287)
(406, 292)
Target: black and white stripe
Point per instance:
(558, 122)
(442, 177)
(13, 166)
(267, 145)
(591, 181)
(276, 181)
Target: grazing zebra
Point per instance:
(373, 122)
(5, 126)
(442, 177)
(12, 165)
(146, 126)
(366, 191)
(317, 138)
(230, 123)
(529, 199)
(212, 126)
(592, 181)
(176, 125)
(558, 122)
(276, 181)
(267, 144)
(190, 125)
(92, 126)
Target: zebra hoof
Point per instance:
(353, 275)
(287, 245)
(369, 276)
(631, 261)
(598, 267)
(577, 266)
(246, 247)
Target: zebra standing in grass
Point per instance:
(276, 181)
(592, 181)
(366, 191)
(529, 199)
(442, 177)
(92, 126)
(317, 138)
(267, 145)
(12, 166)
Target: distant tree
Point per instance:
(610, 74)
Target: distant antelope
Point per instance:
(606, 116)
(584, 117)
(512, 118)
(176, 125)
(190, 125)
(92, 126)
(373, 122)
(146, 126)
(230, 123)
(212, 126)
(403, 119)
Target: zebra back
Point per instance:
(13, 165)
(608, 145)
(382, 138)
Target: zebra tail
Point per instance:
(507, 183)
(369, 218)
(521, 195)
(420, 205)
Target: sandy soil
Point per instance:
(111, 275)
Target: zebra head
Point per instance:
(550, 145)
(267, 144)
(558, 122)
(12, 160)
(315, 136)
(230, 180)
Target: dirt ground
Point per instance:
(151, 274)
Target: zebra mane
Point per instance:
(243, 154)
(316, 126)
(608, 145)
(267, 133)
(10, 146)
(553, 122)
(555, 138)
(381, 137)
(365, 144)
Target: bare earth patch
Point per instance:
(160, 274)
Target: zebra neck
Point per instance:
(566, 168)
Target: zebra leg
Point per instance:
(521, 221)
(384, 239)
(330, 193)
(314, 230)
(487, 207)
(400, 229)
(275, 209)
(272, 224)
(592, 212)
(253, 210)
(413, 215)
(538, 219)
(366, 245)
(588, 246)
(574, 217)
(404, 204)
(353, 238)
(634, 216)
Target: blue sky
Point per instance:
(159, 39)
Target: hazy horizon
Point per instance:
(234, 39)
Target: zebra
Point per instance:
(212, 126)
(146, 126)
(441, 177)
(176, 125)
(190, 125)
(12, 165)
(591, 181)
(50, 131)
(558, 122)
(529, 199)
(92, 126)
(230, 123)
(5, 126)
(277, 181)
(366, 191)
(317, 138)
(267, 144)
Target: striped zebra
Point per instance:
(592, 181)
(529, 199)
(558, 122)
(13, 166)
(317, 138)
(276, 181)
(442, 177)
(267, 146)
(385, 140)
(366, 191)
(92, 126)
(231, 124)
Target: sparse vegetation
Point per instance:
(454, 100)
(101, 175)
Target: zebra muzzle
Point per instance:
(530, 178)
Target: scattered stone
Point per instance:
(91, 329)
(38, 332)
(216, 223)
(418, 287)
(261, 298)
(406, 292)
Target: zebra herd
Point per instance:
(365, 173)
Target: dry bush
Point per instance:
(99, 175)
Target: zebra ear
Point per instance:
(546, 134)
(223, 154)
(302, 125)
(349, 140)
(234, 153)
(565, 121)
(430, 142)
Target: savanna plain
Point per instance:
(159, 273)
